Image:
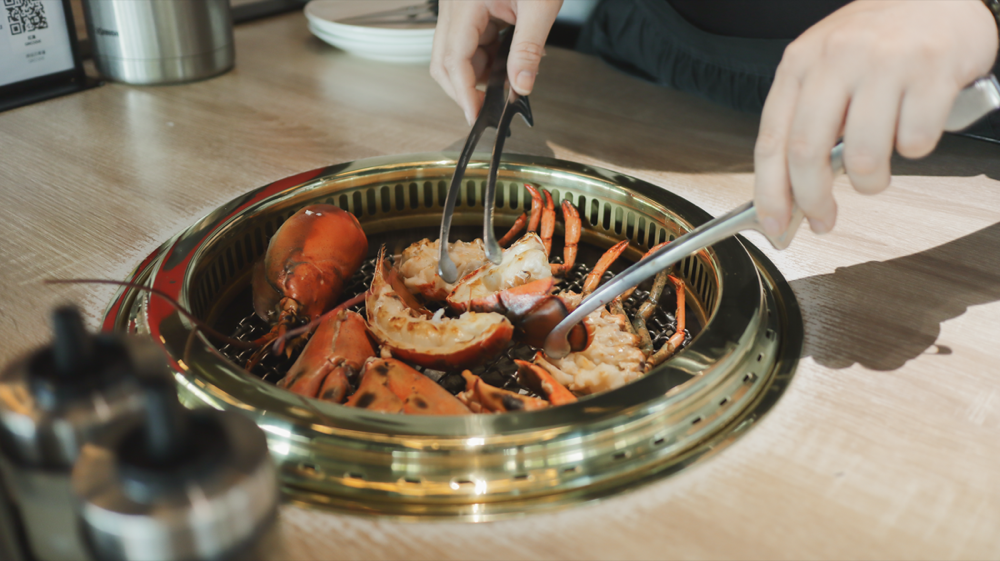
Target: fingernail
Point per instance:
(819, 226)
(771, 227)
(525, 80)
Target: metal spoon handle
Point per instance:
(975, 101)
(713, 231)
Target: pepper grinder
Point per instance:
(51, 402)
(178, 484)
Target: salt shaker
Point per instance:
(51, 402)
(178, 485)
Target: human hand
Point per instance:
(466, 31)
(881, 74)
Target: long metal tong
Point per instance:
(498, 111)
(972, 103)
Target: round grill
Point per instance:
(744, 334)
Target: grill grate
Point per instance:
(500, 372)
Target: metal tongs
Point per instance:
(972, 103)
(498, 111)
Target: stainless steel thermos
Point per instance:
(147, 42)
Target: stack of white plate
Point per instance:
(389, 42)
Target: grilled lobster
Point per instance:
(308, 262)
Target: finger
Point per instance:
(869, 135)
(534, 20)
(922, 115)
(819, 116)
(772, 190)
(480, 64)
(438, 47)
(466, 23)
(490, 34)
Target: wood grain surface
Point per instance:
(885, 445)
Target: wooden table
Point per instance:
(885, 446)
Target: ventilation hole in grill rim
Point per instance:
(354, 475)
(623, 455)
(248, 247)
(383, 196)
(696, 420)
(462, 482)
(237, 251)
(442, 192)
(522, 477)
(571, 469)
(659, 441)
(428, 194)
(724, 401)
(412, 480)
(769, 334)
(310, 468)
(470, 193)
(372, 203)
(400, 197)
(750, 378)
(356, 208)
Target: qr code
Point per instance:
(25, 16)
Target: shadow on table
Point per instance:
(882, 314)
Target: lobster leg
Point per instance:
(645, 311)
(541, 382)
(609, 257)
(290, 311)
(616, 307)
(536, 208)
(625, 295)
(548, 222)
(512, 234)
(262, 344)
(491, 399)
(677, 339)
(571, 219)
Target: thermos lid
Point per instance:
(177, 485)
(58, 397)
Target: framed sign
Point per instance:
(39, 55)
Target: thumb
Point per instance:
(534, 20)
